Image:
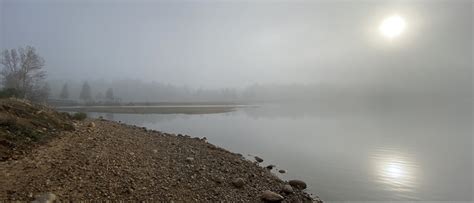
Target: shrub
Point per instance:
(79, 116)
(10, 92)
(66, 115)
(69, 127)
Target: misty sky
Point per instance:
(238, 43)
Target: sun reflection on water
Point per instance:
(397, 172)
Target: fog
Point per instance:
(239, 44)
(315, 87)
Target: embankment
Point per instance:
(105, 160)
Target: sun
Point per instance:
(392, 26)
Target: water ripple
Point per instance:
(396, 172)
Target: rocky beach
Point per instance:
(97, 159)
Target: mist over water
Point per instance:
(356, 115)
(419, 153)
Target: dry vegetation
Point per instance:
(24, 125)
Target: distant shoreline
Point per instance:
(157, 109)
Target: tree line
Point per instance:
(86, 94)
(23, 76)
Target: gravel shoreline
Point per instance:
(106, 160)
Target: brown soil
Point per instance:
(24, 125)
(120, 162)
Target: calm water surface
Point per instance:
(345, 155)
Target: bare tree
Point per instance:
(22, 70)
(11, 66)
(64, 92)
(85, 92)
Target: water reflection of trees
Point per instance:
(138, 119)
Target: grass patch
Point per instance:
(24, 125)
(79, 116)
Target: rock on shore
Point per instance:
(299, 184)
(112, 161)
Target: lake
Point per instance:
(367, 154)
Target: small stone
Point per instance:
(189, 159)
(298, 184)
(258, 159)
(91, 125)
(270, 167)
(282, 171)
(45, 198)
(270, 196)
(287, 189)
(219, 180)
(155, 151)
(238, 182)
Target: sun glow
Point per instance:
(392, 26)
(395, 170)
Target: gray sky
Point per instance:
(237, 43)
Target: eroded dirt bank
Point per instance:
(109, 160)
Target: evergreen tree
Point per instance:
(85, 92)
(109, 95)
(64, 92)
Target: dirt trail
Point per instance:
(119, 162)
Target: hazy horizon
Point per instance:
(361, 100)
(215, 44)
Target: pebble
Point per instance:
(287, 189)
(270, 167)
(45, 198)
(219, 180)
(189, 159)
(282, 171)
(238, 182)
(91, 125)
(271, 196)
(298, 184)
(258, 159)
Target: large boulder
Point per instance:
(298, 184)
